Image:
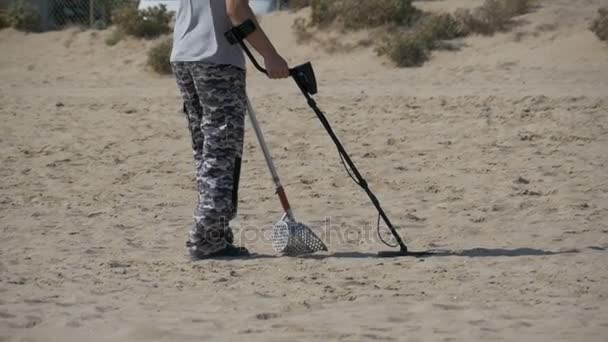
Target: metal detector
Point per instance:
(304, 77)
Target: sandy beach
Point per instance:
(494, 157)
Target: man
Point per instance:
(210, 75)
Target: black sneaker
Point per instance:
(231, 251)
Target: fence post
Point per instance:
(91, 13)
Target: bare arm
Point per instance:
(239, 11)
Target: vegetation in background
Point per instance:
(149, 23)
(107, 7)
(23, 16)
(159, 56)
(599, 26)
(115, 37)
(409, 34)
(436, 27)
(493, 16)
(295, 5)
(413, 46)
(3, 20)
(129, 21)
(77, 12)
(518, 7)
(360, 14)
(406, 50)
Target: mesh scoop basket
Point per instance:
(294, 238)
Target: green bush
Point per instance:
(148, 23)
(407, 50)
(361, 14)
(159, 56)
(23, 16)
(599, 26)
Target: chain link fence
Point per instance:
(56, 14)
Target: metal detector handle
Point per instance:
(302, 74)
(292, 71)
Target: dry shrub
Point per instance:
(413, 47)
(295, 5)
(149, 23)
(492, 16)
(405, 50)
(436, 27)
(159, 56)
(116, 36)
(107, 7)
(302, 30)
(413, 34)
(324, 12)
(373, 13)
(599, 26)
(517, 7)
(361, 14)
(23, 16)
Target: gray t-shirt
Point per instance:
(198, 35)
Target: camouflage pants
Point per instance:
(214, 104)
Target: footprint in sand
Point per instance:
(448, 306)
(266, 316)
(5, 315)
(27, 323)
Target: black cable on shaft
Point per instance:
(347, 169)
(359, 184)
(362, 186)
(380, 236)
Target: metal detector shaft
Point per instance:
(273, 170)
(362, 182)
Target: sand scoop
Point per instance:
(288, 236)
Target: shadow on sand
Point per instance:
(469, 253)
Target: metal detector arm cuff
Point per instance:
(239, 33)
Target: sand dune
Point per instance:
(493, 156)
